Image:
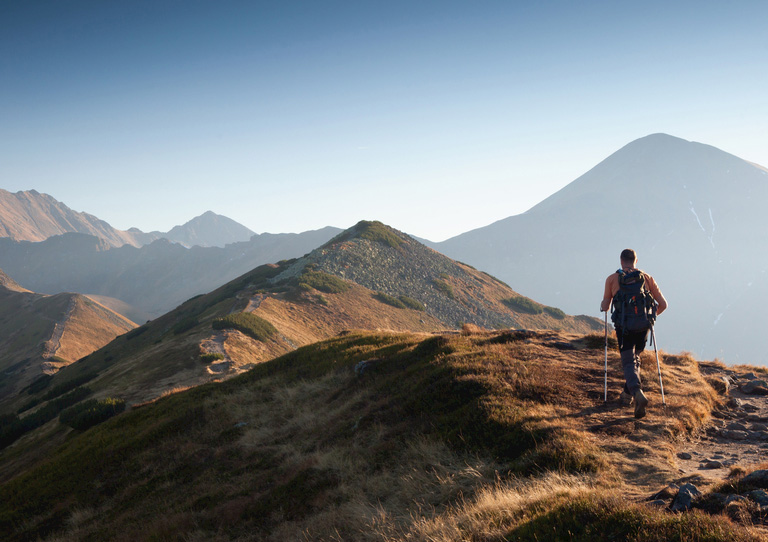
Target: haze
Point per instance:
(434, 117)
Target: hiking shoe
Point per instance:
(641, 401)
(625, 398)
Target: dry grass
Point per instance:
(447, 438)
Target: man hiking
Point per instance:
(636, 301)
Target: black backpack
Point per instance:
(634, 308)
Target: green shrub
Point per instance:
(248, 323)
(185, 325)
(210, 357)
(39, 384)
(412, 303)
(554, 312)
(444, 288)
(69, 385)
(132, 334)
(523, 304)
(322, 282)
(389, 300)
(91, 412)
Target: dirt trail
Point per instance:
(54, 343)
(738, 433)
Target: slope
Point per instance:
(39, 334)
(693, 213)
(380, 436)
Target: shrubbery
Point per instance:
(554, 312)
(185, 325)
(523, 304)
(12, 427)
(210, 357)
(389, 300)
(412, 303)
(444, 288)
(248, 323)
(91, 412)
(322, 282)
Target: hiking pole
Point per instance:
(605, 395)
(658, 365)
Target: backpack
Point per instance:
(634, 308)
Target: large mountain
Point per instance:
(39, 334)
(694, 213)
(152, 279)
(32, 216)
(209, 230)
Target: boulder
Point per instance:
(755, 387)
(684, 500)
(758, 478)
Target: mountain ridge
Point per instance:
(32, 216)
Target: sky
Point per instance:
(435, 117)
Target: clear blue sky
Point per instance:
(434, 117)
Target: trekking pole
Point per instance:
(605, 395)
(658, 365)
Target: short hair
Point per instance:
(628, 255)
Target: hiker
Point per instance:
(636, 301)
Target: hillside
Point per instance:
(691, 211)
(407, 287)
(390, 437)
(39, 334)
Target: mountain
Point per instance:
(693, 213)
(152, 279)
(367, 277)
(32, 216)
(209, 230)
(40, 334)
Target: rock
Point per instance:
(363, 366)
(758, 478)
(658, 503)
(712, 464)
(759, 427)
(759, 496)
(749, 376)
(755, 387)
(749, 407)
(733, 434)
(684, 498)
(736, 426)
(734, 402)
(684, 455)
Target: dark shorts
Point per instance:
(632, 340)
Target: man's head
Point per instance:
(628, 258)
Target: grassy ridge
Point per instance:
(361, 437)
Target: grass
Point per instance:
(373, 231)
(445, 288)
(523, 304)
(254, 326)
(389, 300)
(366, 436)
(322, 282)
